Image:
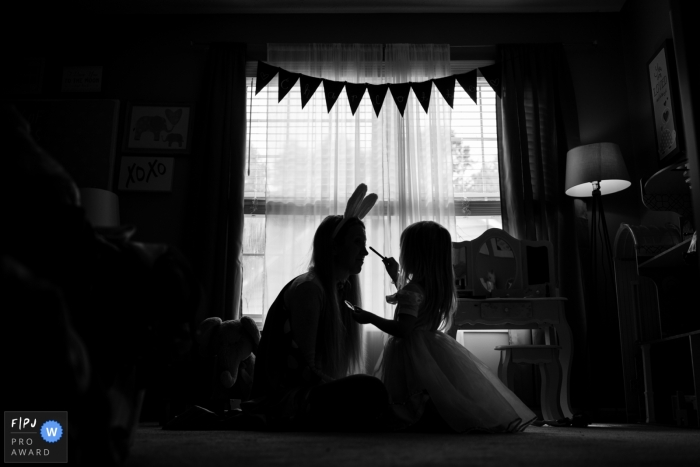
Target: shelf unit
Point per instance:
(673, 257)
(657, 304)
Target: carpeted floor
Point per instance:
(599, 444)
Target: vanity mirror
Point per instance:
(495, 264)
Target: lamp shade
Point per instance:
(597, 162)
(101, 207)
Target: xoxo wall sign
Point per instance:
(146, 174)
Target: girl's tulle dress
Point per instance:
(429, 364)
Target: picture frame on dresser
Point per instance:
(665, 104)
(158, 128)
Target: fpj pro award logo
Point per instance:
(36, 437)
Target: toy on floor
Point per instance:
(234, 344)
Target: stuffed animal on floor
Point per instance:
(234, 344)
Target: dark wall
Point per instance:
(157, 71)
(645, 25)
(144, 61)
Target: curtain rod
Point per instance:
(197, 43)
(593, 42)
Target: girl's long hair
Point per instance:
(426, 258)
(339, 343)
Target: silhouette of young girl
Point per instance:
(425, 370)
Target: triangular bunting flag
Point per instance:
(446, 86)
(332, 90)
(468, 82)
(355, 93)
(377, 93)
(264, 75)
(287, 80)
(308, 86)
(400, 93)
(492, 73)
(422, 92)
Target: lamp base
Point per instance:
(599, 232)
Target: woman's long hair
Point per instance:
(426, 258)
(339, 343)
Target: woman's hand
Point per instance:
(392, 268)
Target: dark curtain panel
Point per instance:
(537, 125)
(216, 232)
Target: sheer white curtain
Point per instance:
(316, 159)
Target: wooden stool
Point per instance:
(547, 357)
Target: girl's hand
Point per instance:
(392, 268)
(358, 314)
(362, 316)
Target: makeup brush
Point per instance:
(383, 258)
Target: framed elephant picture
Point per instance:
(158, 128)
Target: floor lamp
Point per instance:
(595, 170)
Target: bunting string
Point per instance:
(377, 92)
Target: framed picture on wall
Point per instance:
(158, 128)
(665, 103)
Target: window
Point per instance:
(475, 176)
(475, 162)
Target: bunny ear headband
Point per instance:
(358, 206)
